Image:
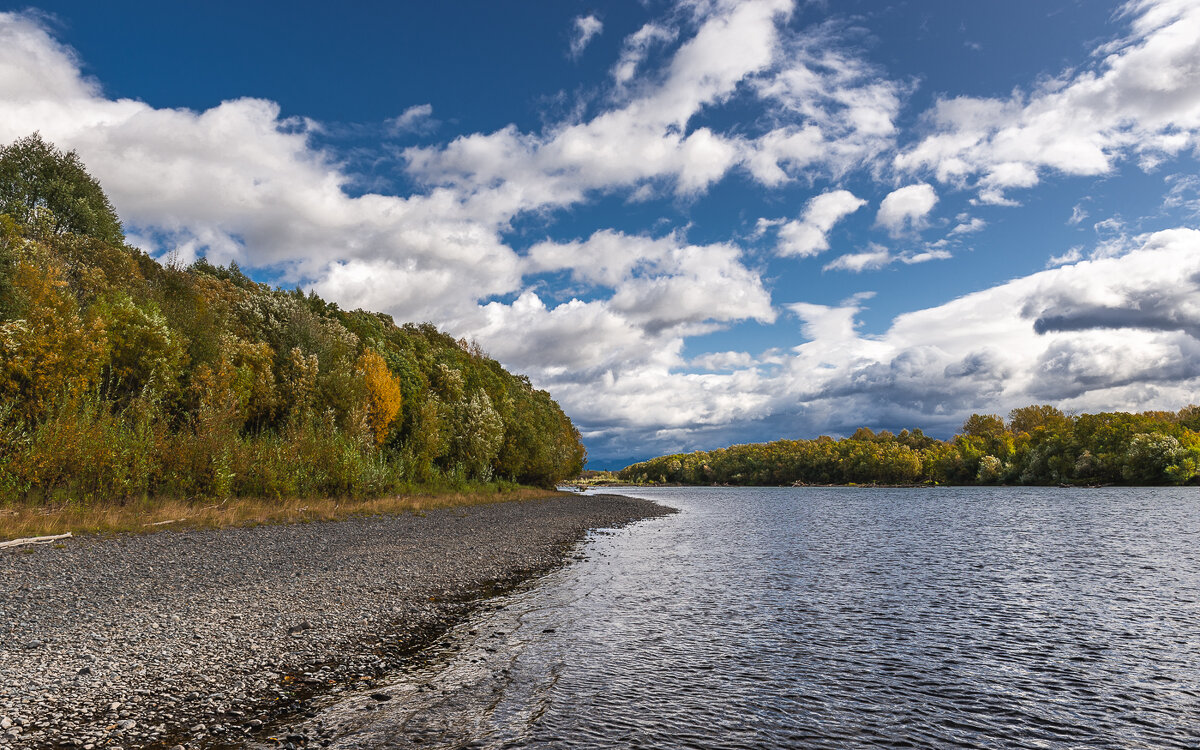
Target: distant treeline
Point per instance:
(123, 378)
(1037, 445)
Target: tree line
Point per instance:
(1037, 445)
(121, 377)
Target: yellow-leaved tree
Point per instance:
(51, 351)
(383, 394)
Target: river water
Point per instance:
(832, 618)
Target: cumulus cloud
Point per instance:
(630, 146)
(239, 182)
(1101, 334)
(585, 29)
(1140, 99)
(808, 235)
(662, 283)
(906, 208)
(837, 112)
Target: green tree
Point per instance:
(1029, 418)
(983, 425)
(37, 176)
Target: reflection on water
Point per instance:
(1001, 618)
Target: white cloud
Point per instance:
(1140, 99)
(906, 208)
(808, 236)
(930, 253)
(1078, 214)
(661, 283)
(970, 226)
(837, 112)
(1183, 193)
(239, 182)
(643, 141)
(1072, 255)
(635, 48)
(876, 257)
(1097, 335)
(585, 29)
(416, 118)
(724, 361)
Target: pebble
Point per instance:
(355, 595)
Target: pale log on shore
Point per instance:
(35, 540)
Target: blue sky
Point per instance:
(695, 222)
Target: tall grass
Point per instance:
(160, 514)
(84, 453)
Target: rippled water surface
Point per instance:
(832, 618)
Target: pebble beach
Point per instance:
(206, 638)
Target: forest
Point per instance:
(122, 377)
(1037, 445)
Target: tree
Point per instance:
(1029, 418)
(383, 395)
(36, 177)
(1150, 456)
(983, 425)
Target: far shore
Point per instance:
(582, 486)
(209, 637)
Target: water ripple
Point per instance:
(832, 618)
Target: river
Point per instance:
(831, 618)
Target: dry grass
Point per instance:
(159, 515)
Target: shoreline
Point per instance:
(205, 638)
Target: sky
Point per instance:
(694, 223)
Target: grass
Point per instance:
(160, 515)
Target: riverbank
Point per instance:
(203, 637)
(162, 514)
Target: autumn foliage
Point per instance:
(124, 378)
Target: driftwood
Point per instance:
(164, 523)
(35, 540)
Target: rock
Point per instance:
(293, 630)
(380, 697)
(5, 723)
(126, 724)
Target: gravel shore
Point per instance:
(203, 638)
